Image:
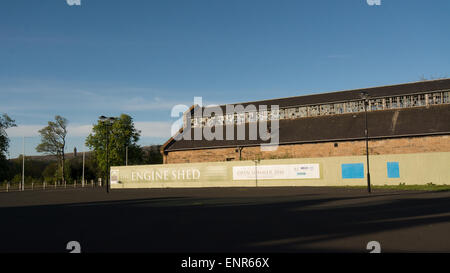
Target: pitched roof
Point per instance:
(382, 124)
(351, 95)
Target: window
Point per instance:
(197, 122)
(275, 114)
(376, 104)
(282, 114)
(356, 106)
(339, 108)
(407, 101)
(327, 109)
(211, 121)
(437, 98)
(240, 118)
(263, 115)
(418, 100)
(388, 102)
(446, 98)
(219, 120)
(290, 113)
(361, 106)
(252, 117)
(400, 101)
(422, 100)
(313, 110)
(353, 107)
(303, 112)
(229, 119)
(394, 103)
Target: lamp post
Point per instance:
(84, 158)
(256, 171)
(365, 98)
(23, 164)
(108, 122)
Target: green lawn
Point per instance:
(427, 187)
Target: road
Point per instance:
(298, 220)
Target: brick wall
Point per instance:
(349, 148)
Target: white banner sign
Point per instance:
(271, 172)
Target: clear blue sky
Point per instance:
(141, 57)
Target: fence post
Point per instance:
(55, 184)
(7, 186)
(32, 185)
(92, 182)
(44, 185)
(100, 182)
(74, 183)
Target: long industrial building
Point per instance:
(401, 119)
(321, 142)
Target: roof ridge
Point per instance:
(339, 91)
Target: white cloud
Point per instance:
(33, 130)
(24, 130)
(154, 129)
(79, 130)
(141, 104)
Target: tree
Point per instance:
(122, 134)
(152, 155)
(5, 123)
(53, 141)
(50, 171)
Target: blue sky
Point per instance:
(142, 57)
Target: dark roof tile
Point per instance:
(382, 124)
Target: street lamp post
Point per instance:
(108, 121)
(256, 171)
(82, 179)
(23, 164)
(365, 98)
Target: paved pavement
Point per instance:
(301, 219)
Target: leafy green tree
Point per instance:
(17, 179)
(122, 134)
(53, 141)
(152, 155)
(50, 172)
(5, 123)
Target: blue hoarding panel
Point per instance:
(393, 170)
(351, 171)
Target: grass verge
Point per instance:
(426, 187)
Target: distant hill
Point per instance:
(50, 158)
